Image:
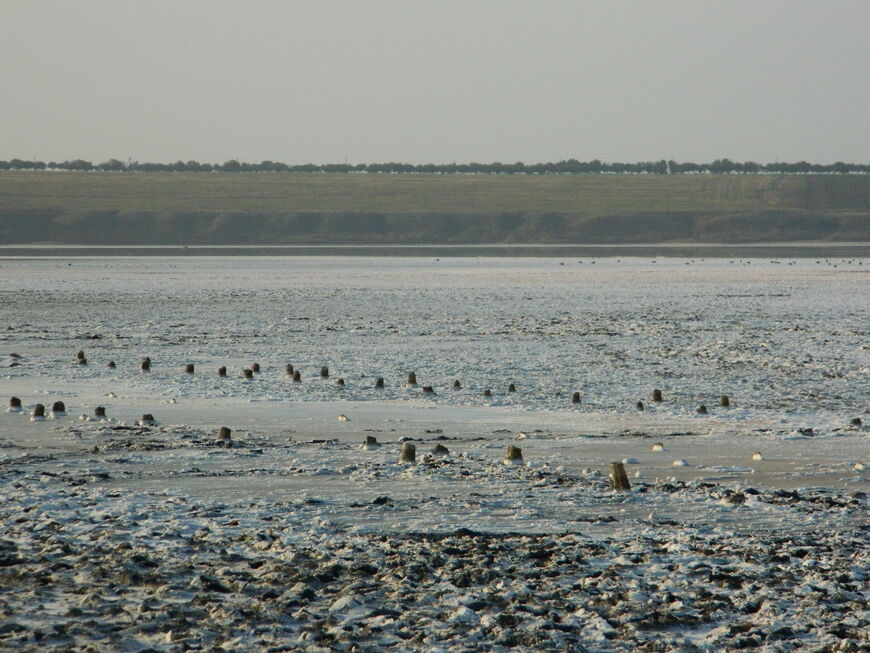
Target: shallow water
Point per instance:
(102, 519)
(784, 339)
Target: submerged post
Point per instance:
(409, 453)
(513, 455)
(618, 477)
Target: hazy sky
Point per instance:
(435, 81)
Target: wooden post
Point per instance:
(409, 453)
(379, 384)
(412, 378)
(324, 372)
(618, 477)
(188, 369)
(657, 395)
(513, 455)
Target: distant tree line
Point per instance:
(569, 166)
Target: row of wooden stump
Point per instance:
(296, 375)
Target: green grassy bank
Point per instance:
(298, 209)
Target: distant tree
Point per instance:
(112, 165)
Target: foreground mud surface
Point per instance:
(86, 566)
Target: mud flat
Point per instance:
(745, 525)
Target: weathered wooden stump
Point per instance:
(100, 411)
(248, 373)
(657, 395)
(14, 404)
(111, 365)
(428, 390)
(457, 385)
(371, 443)
(408, 454)
(512, 388)
(324, 372)
(639, 405)
(702, 410)
(412, 378)
(487, 393)
(379, 384)
(618, 477)
(288, 368)
(340, 383)
(147, 420)
(440, 450)
(724, 401)
(575, 398)
(222, 370)
(297, 377)
(225, 434)
(58, 407)
(145, 365)
(255, 367)
(188, 369)
(513, 456)
(38, 410)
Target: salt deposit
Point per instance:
(246, 516)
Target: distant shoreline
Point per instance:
(673, 250)
(314, 212)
